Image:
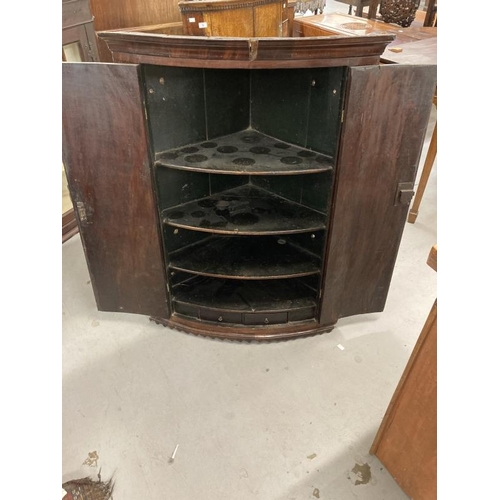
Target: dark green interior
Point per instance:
(299, 106)
(190, 105)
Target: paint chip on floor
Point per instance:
(92, 459)
(316, 493)
(341, 347)
(311, 457)
(362, 474)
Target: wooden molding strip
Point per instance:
(212, 6)
(232, 52)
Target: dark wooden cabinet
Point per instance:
(78, 34)
(249, 189)
(78, 44)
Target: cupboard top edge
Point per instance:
(230, 52)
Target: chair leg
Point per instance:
(372, 9)
(350, 9)
(426, 172)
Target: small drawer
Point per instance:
(302, 314)
(272, 318)
(186, 309)
(219, 316)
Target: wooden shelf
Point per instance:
(242, 296)
(243, 153)
(263, 257)
(245, 210)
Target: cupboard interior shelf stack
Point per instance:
(231, 181)
(244, 182)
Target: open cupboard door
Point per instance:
(107, 161)
(386, 114)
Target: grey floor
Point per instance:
(268, 421)
(279, 421)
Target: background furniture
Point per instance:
(219, 221)
(79, 43)
(406, 442)
(431, 13)
(241, 18)
(118, 14)
(78, 34)
(418, 44)
(359, 4)
(315, 6)
(401, 12)
(426, 172)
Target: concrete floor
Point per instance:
(277, 421)
(247, 417)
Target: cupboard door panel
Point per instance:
(386, 114)
(107, 161)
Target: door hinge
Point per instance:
(82, 214)
(342, 117)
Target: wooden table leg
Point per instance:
(429, 16)
(372, 9)
(359, 8)
(426, 171)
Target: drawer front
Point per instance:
(272, 318)
(218, 316)
(302, 314)
(186, 309)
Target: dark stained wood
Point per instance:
(108, 169)
(206, 52)
(246, 258)
(75, 12)
(372, 9)
(263, 333)
(431, 14)
(246, 210)
(246, 296)
(69, 225)
(355, 210)
(78, 27)
(67, 234)
(243, 153)
(115, 14)
(380, 148)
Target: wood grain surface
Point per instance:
(406, 442)
(113, 14)
(108, 169)
(252, 53)
(380, 148)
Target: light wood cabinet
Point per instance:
(238, 18)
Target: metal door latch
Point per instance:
(404, 193)
(81, 211)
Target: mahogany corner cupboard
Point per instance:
(243, 188)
